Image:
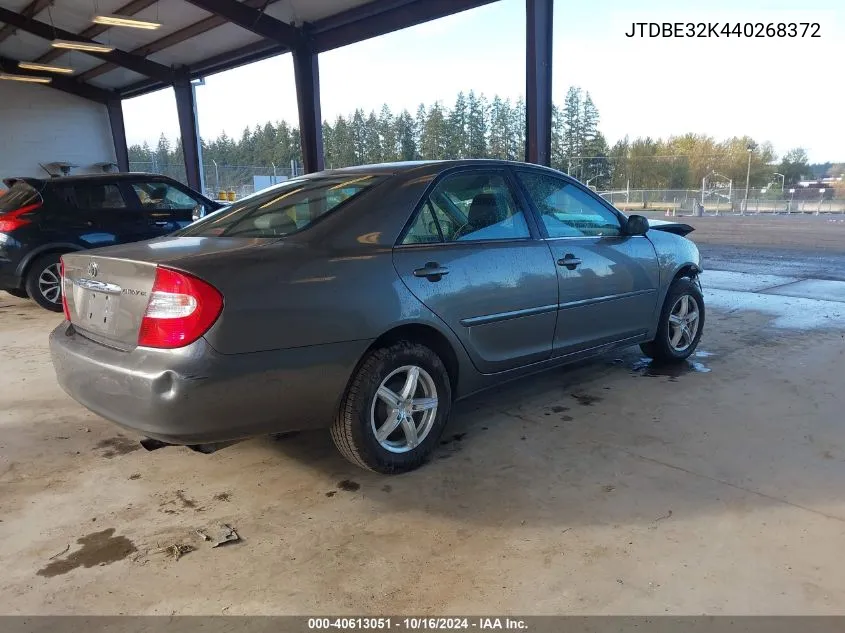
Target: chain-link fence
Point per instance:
(223, 181)
(725, 201)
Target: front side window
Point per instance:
(161, 195)
(471, 207)
(98, 196)
(278, 211)
(566, 210)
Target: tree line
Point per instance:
(478, 127)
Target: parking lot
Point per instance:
(614, 487)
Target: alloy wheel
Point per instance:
(684, 320)
(50, 283)
(404, 409)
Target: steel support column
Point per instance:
(307, 75)
(187, 111)
(538, 81)
(118, 134)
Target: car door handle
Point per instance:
(570, 261)
(432, 271)
(161, 222)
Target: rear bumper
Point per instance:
(195, 395)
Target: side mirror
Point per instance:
(637, 225)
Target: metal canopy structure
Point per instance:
(202, 37)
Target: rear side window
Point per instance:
(282, 210)
(20, 195)
(91, 196)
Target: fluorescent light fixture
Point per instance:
(122, 20)
(88, 47)
(45, 67)
(27, 78)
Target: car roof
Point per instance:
(424, 166)
(110, 177)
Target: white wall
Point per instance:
(44, 125)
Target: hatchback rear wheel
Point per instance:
(44, 282)
(394, 409)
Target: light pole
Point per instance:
(791, 198)
(730, 189)
(593, 178)
(750, 149)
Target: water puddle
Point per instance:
(652, 368)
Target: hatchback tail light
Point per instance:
(180, 310)
(17, 218)
(62, 288)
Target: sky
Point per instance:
(789, 91)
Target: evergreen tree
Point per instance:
(458, 146)
(388, 135)
(433, 143)
(476, 138)
(372, 140)
(406, 135)
(572, 129)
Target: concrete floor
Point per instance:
(608, 488)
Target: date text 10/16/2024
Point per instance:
(724, 29)
(418, 623)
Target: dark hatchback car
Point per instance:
(366, 300)
(42, 219)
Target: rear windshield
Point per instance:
(282, 210)
(20, 195)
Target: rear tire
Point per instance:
(43, 282)
(681, 323)
(19, 293)
(394, 410)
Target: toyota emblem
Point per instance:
(93, 269)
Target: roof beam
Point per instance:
(31, 10)
(381, 17)
(177, 37)
(59, 82)
(121, 58)
(253, 20)
(135, 6)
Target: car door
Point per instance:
(608, 280)
(473, 256)
(102, 216)
(165, 206)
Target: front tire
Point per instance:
(681, 323)
(44, 282)
(394, 410)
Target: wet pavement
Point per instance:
(792, 302)
(799, 263)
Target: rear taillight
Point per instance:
(12, 220)
(180, 310)
(62, 289)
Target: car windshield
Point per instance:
(282, 210)
(19, 195)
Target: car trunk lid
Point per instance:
(107, 297)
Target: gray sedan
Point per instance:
(367, 300)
